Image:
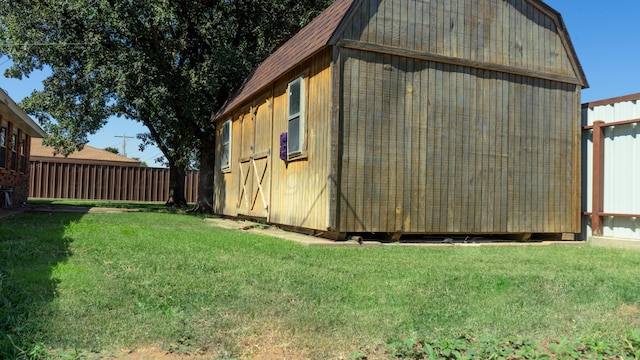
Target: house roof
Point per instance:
(21, 118)
(88, 155)
(311, 39)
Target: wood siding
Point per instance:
(517, 34)
(297, 192)
(438, 148)
(422, 116)
(301, 189)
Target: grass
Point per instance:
(97, 283)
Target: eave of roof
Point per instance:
(307, 42)
(32, 128)
(566, 39)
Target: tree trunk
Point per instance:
(205, 181)
(176, 186)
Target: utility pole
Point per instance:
(124, 143)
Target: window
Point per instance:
(295, 117)
(23, 158)
(3, 147)
(225, 162)
(14, 150)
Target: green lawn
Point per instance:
(97, 283)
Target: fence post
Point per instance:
(597, 197)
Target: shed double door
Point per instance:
(255, 162)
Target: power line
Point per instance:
(49, 44)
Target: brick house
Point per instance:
(16, 131)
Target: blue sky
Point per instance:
(604, 34)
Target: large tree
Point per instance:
(169, 64)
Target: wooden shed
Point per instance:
(16, 131)
(410, 117)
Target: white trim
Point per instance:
(300, 115)
(227, 166)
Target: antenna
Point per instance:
(124, 143)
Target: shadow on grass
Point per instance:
(31, 245)
(158, 207)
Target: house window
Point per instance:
(225, 162)
(23, 158)
(14, 150)
(295, 117)
(3, 147)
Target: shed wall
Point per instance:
(437, 148)
(298, 191)
(621, 171)
(301, 188)
(513, 33)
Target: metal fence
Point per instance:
(50, 180)
(611, 170)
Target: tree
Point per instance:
(169, 64)
(112, 150)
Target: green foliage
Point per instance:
(469, 347)
(112, 150)
(167, 64)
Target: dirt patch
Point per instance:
(154, 353)
(272, 345)
(275, 351)
(630, 313)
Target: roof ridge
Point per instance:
(88, 152)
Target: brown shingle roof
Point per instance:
(88, 155)
(311, 39)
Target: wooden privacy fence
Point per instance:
(51, 180)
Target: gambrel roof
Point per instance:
(329, 28)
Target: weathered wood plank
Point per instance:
(420, 93)
(504, 153)
(456, 61)
(446, 179)
(419, 18)
(449, 26)
(380, 201)
(390, 34)
(369, 179)
(459, 157)
(409, 10)
(440, 28)
(351, 130)
(397, 133)
(432, 45)
(418, 127)
(410, 146)
(438, 173)
(430, 147)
